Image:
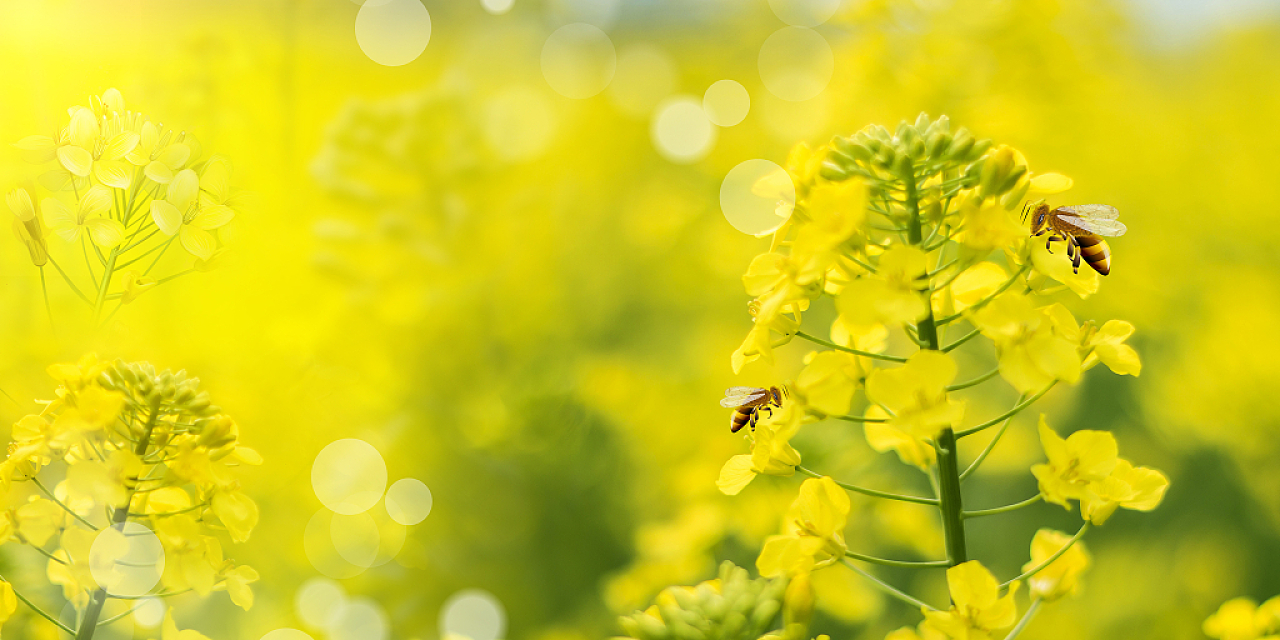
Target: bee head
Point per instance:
(1039, 215)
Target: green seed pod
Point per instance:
(887, 158)
(960, 146)
(938, 143)
(765, 612)
(979, 149)
(1012, 179)
(917, 149)
(834, 172)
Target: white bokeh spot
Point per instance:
(474, 614)
(393, 32)
(757, 196)
(578, 60)
(681, 131)
(126, 559)
(727, 103)
(349, 476)
(796, 63)
(408, 501)
(804, 13)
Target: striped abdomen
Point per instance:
(1094, 250)
(741, 416)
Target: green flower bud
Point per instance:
(922, 122)
(738, 608)
(938, 143)
(917, 148)
(886, 158)
(833, 171)
(979, 149)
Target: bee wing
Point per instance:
(1109, 228)
(745, 395)
(1092, 211)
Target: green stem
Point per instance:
(58, 502)
(983, 302)
(976, 381)
(43, 614)
(99, 598)
(1048, 561)
(107, 272)
(871, 492)
(832, 345)
(71, 284)
(963, 339)
(910, 564)
(950, 501)
(44, 289)
(1008, 414)
(858, 419)
(888, 588)
(998, 510)
(986, 451)
(121, 615)
(1026, 619)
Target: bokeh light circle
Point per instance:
(681, 131)
(757, 196)
(796, 63)
(519, 123)
(149, 613)
(804, 13)
(349, 476)
(393, 33)
(317, 542)
(726, 103)
(497, 7)
(355, 537)
(286, 634)
(126, 559)
(474, 614)
(408, 501)
(645, 76)
(578, 60)
(317, 600)
(361, 619)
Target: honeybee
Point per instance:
(1080, 226)
(748, 402)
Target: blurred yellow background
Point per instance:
(504, 265)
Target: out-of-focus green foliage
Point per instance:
(541, 336)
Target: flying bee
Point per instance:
(748, 402)
(1081, 227)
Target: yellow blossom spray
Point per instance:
(916, 233)
(122, 189)
(148, 492)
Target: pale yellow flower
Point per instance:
(179, 214)
(87, 217)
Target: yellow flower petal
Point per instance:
(113, 173)
(183, 190)
(38, 149)
(60, 219)
(158, 172)
(175, 156)
(120, 145)
(95, 201)
(1050, 183)
(105, 232)
(74, 159)
(735, 475)
(166, 216)
(84, 129)
(213, 217)
(20, 204)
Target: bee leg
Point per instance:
(1052, 238)
(1075, 260)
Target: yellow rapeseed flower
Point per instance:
(884, 437)
(169, 630)
(1086, 467)
(1031, 351)
(828, 381)
(978, 610)
(916, 394)
(1062, 576)
(890, 296)
(771, 450)
(8, 601)
(814, 535)
(1243, 619)
(179, 214)
(88, 218)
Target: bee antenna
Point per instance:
(1024, 210)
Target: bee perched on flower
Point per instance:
(910, 237)
(150, 494)
(120, 191)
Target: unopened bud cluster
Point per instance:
(731, 607)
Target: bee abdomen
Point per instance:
(739, 420)
(1095, 252)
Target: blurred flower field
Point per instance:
(474, 311)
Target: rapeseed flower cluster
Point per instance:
(912, 234)
(121, 190)
(127, 482)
